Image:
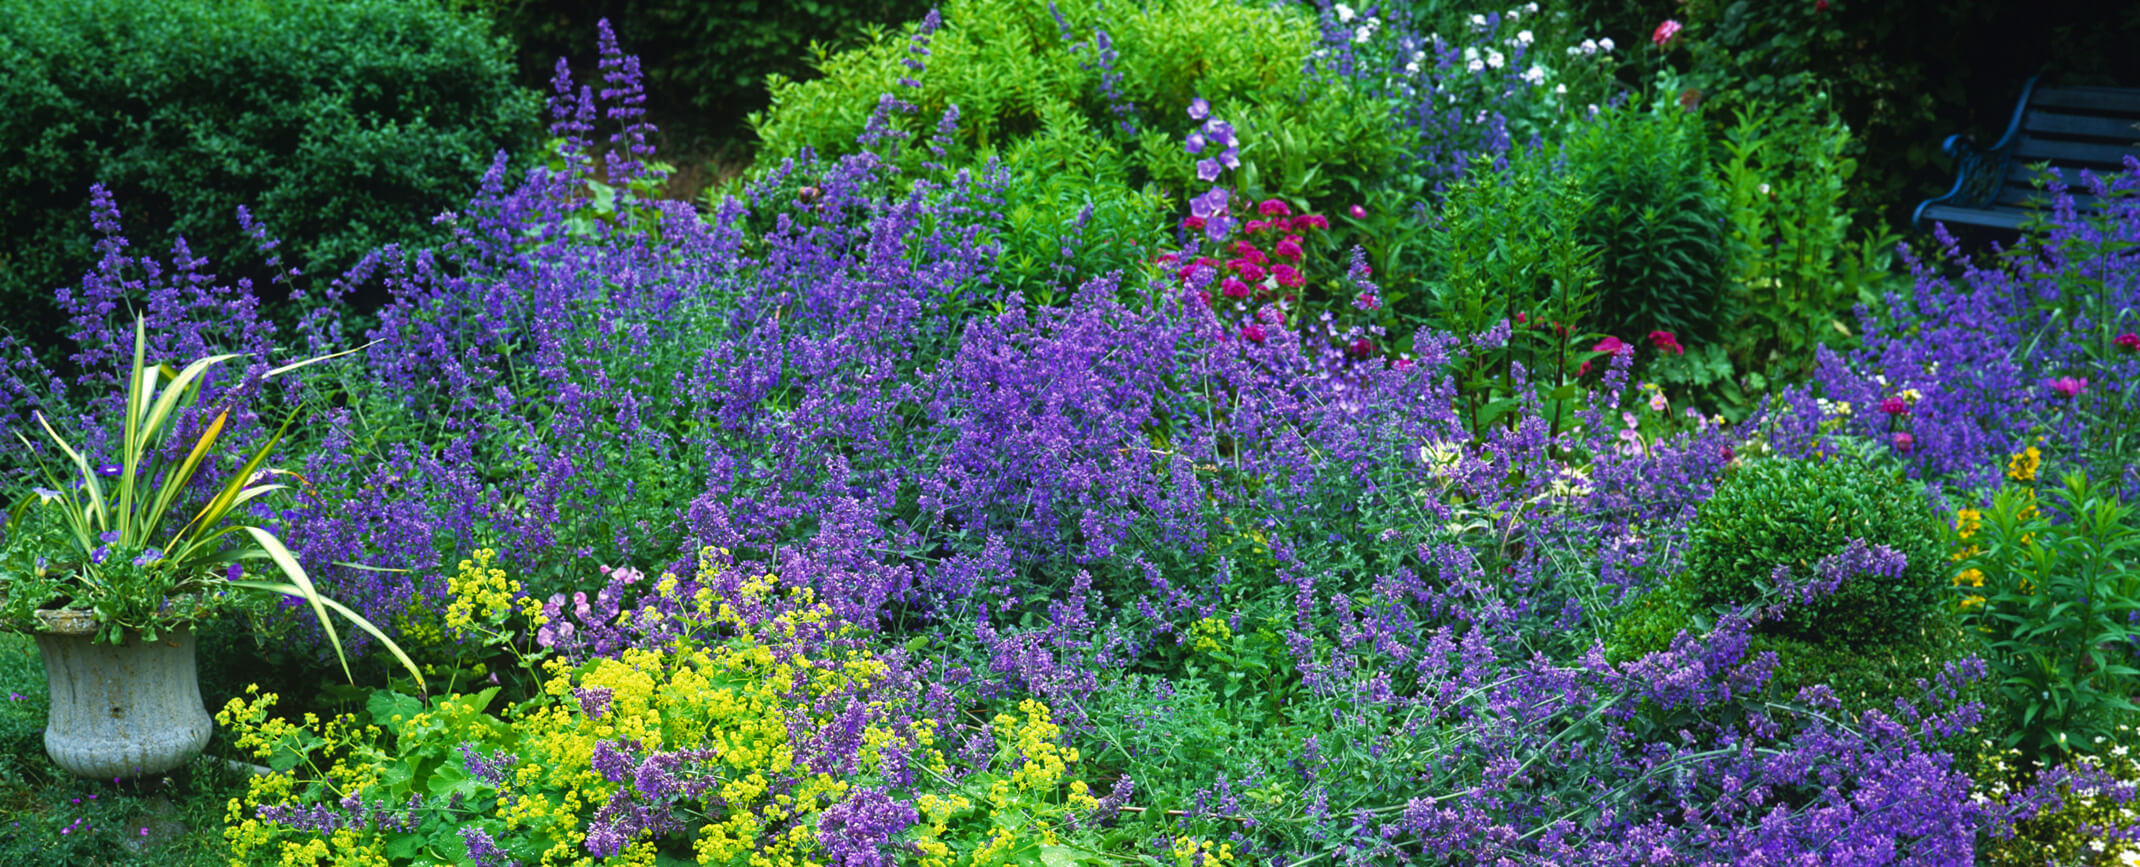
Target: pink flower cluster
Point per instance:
(1264, 262)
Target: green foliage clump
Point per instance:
(1091, 109)
(1658, 222)
(1793, 512)
(342, 126)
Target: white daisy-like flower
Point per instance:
(1344, 13)
(1478, 22)
(1494, 58)
(1523, 37)
(1536, 75)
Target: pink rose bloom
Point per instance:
(1895, 406)
(1665, 32)
(2068, 386)
(1610, 344)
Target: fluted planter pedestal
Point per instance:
(120, 710)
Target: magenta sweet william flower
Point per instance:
(1317, 221)
(1234, 288)
(1665, 32)
(1367, 301)
(1287, 275)
(1274, 208)
(1253, 332)
(1904, 442)
(1288, 249)
(1250, 271)
(1361, 347)
(2068, 386)
(1610, 344)
(1895, 406)
(2128, 341)
(1357, 212)
(1666, 341)
(1193, 224)
(1254, 226)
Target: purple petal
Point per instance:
(1207, 170)
(1199, 109)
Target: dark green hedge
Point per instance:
(705, 60)
(342, 124)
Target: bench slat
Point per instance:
(2110, 99)
(2045, 124)
(2032, 149)
(2021, 195)
(2009, 220)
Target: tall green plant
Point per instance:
(1658, 222)
(2055, 601)
(1796, 271)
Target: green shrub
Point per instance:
(1793, 512)
(1074, 130)
(343, 125)
(1658, 222)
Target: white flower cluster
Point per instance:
(1590, 47)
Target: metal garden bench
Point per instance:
(2071, 128)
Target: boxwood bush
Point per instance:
(342, 124)
(1794, 512)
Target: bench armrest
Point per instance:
(1978, 171)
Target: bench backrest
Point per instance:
(2072, 128)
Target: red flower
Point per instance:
(1361, 348)
(1665, 32)
(1193, 224)
(1253, 331)
(1273, 208)
(1610, 344)
(1895, 406)
(2128, 341)
(1904, 442)
(1820, 7)
(1519, 317)
(1666, 341)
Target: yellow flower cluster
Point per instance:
(1967, 523)
(1189, 852)
(480, 591)
(1025, 809)
(728, 689)
(2022, 467)
(1209, 634)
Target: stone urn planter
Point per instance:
(120, 710)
